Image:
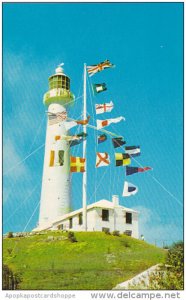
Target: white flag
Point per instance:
(102, 159)
(104, 123)
(106, 107)
(129, 189)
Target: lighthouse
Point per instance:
(55, 192)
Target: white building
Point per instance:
(102, 215)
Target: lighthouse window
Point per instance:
(128, 218)
(61, 157)
(68, 85)
(105, 215)
(60, 227)
(59, 81)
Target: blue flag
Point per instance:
(129, 189)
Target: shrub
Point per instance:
(106, 231)
(20, 234)
(166, 247)
(116, 233)
(10, 235)
(172, 277)
(72, 237)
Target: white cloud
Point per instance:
(155, 230)
(10, 159)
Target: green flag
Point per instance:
(99, 87)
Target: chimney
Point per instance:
(115, 200)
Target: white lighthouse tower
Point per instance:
(55, 194)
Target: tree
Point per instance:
(172, 277)
(10, 235)
(10, 281)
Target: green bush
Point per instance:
(10, 235)
(106, 231)
(172, 277)
(72, 237)
(116, 233)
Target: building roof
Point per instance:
(99, 204)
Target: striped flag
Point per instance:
(77, 164)
(104, 123)
(132, 150)
(132, 170)
(102, 159)
(99, 67)
(122, 159)
(102, 108)
(129, 189)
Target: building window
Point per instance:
(60, 227)
(128, 218)
(106, 230)
(80, 219)
(105, 215)
(70, 223)
(128, 232)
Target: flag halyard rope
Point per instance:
(155, 179)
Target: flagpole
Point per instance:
(84, 188)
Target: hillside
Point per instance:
(97, 261)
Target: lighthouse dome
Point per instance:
(59, 70)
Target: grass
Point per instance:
(97, 261)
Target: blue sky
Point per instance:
(145, 42)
